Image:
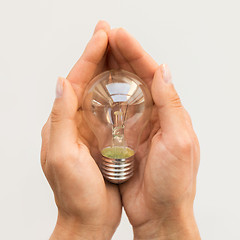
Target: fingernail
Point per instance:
(167, 77)
(59, 88)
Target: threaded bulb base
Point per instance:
(117, 170)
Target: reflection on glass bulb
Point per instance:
(117, 105)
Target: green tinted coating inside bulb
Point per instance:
(117, 152)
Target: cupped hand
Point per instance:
(88, 207)
(158, 199)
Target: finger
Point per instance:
(85, 68)
(102, 25)
(63, 129)
(116, 54)
(130, 49)
(172, 115)
(102, 66)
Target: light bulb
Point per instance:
(117, 106)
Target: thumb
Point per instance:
(172, 115)
(63, 128)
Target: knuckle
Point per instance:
(184, 144)
(55, 115)
(187, 145)
(175, 101)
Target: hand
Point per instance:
(158, 199)
(88, 208)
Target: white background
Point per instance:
(41, 40)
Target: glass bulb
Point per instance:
(117, 106)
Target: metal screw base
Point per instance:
(117, 170)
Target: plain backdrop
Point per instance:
(41, 40)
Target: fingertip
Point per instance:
(100, 34)
(101, 37)
(166, 73)
(157, 78)
(122, 35)
(130, 48)
(122, 31)
(95, 48)
(112, 33)
(61, 80)
(161, 90)
(65, 93)
(163, 73)
(102, 25)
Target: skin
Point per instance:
(158, 199)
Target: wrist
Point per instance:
(72, 228)
(178, 224)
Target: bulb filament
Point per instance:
(118, 127)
